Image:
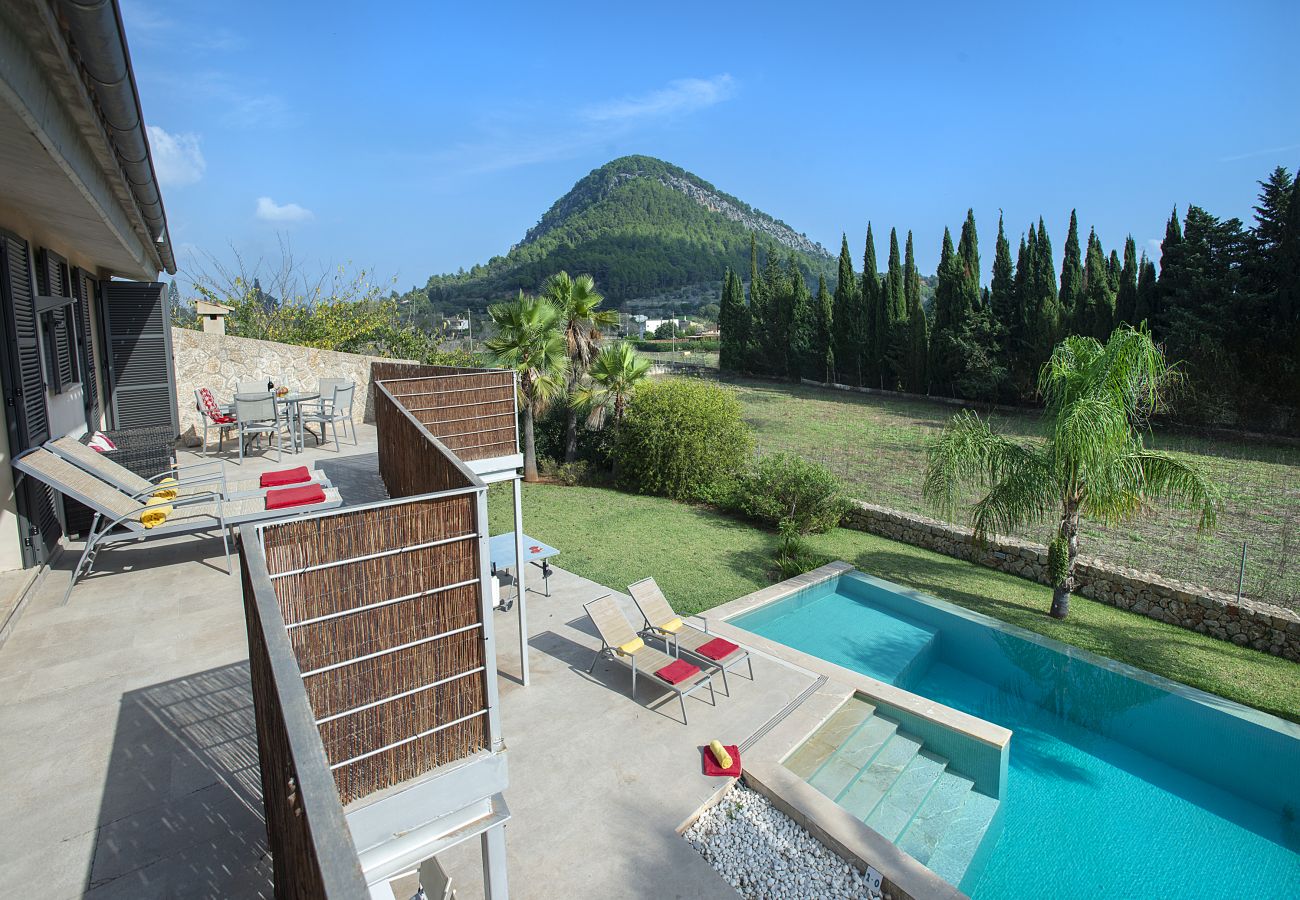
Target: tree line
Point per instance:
(1225, 302)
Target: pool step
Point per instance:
(887, 779)
(825, 740)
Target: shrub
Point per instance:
(567, 474)
(681, 438)
(787, 488)
(793, 555)
(1058, 561)
(594, 447)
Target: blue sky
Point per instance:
(419, 138)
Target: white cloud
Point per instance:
(1267, 151)
(270, 211)
(680, 96)
(177, 159)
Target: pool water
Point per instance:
(1120, 784)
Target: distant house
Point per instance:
(85, 341)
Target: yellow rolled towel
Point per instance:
(672, 626)
(631, 647)
(720, 754)
(155, 512)
(164, 492)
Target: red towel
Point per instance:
(285, 476)
(678, 671)
(711, 766)
(718, 648)
(295, 496)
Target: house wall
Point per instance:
(220, 361)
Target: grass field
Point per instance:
(878, 446)
(702, 558)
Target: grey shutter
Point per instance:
(24, 390)
(138, 354)
(53, 280)
(84, 288)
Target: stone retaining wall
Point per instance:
(220, 361)
(1248, 623)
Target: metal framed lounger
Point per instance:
(679, 636)
(617, 632)
(115, 509)
(201, 478)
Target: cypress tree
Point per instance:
(895, 289)
(1170, 249)
(871, 352)
(803, 359)
(757, 313)
(1071, 293)
(1002, 299)
(1046, 327)
(947, 315)
(733, 323)
(1098, 305)
(1126, 295)
(918, 328)
(848, 321)
(778, 307)
(968, 251)
(1146, 291)
(1113, 271)
(1017, 327)
(825, 332)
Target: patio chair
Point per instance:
(254, 386)
(256, 415)
(202, 478)
(120, 516)
(213, 417)
(620, 642)
(333, 409)
(679, 637)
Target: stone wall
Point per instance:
(219, 361)
(1248, 623)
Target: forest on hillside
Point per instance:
(640, 226)
(1224, 302)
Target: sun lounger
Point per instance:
(202, 478)
(620, 642)
(119, 516)
(680, 637)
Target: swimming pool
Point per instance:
(1120, 784)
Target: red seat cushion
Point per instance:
(295, 496)
(711, 766)
(678, 671)
(718, 648)
(212, 410)
(220, 419)
(285, 476)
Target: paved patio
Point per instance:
(129, 767)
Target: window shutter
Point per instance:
(138, 351)
(24, 389)
(84, 288)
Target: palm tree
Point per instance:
(577, 299)
(614, 373)
(529, 341)
(1092, 462)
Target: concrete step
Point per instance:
(961, 841)
(934, 815)
(879, 775)
(814, 752)
(856, 754)
(905, 796)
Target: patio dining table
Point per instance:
(293, 414)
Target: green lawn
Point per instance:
(877, 445)
(702, 558)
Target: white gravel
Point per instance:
(761, 852)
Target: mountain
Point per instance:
(648, 231)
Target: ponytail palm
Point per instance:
(529, 341)
(614, 373)
(1092, 463)
(578, 302)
